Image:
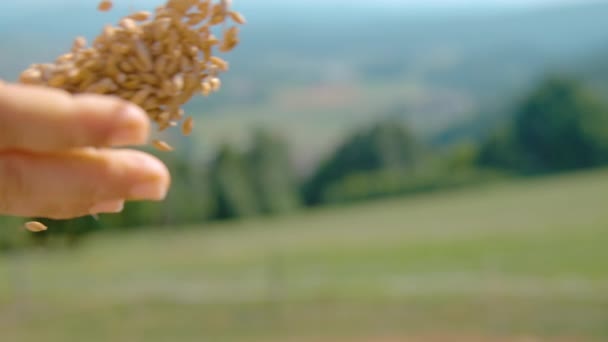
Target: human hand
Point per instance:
(56, 155)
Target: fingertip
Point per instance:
(107, 206)
(115, 121)
(154, 180)
(132, 126)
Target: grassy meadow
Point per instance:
(521, 258)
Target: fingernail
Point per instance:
(149, 191)
(131, 127)
(153, 187)
(112, 206)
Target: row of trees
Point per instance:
(560, 126)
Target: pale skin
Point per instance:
(65, 156)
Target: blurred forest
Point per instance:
(388, 105)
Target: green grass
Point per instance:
(522, 257)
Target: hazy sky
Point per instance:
(254, 7)
(409, 3)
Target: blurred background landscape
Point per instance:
(370, 171)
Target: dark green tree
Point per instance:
(271, 174)
(386, 145)
(560, 126)
(190, 198)
(234, 192)
(500, 151)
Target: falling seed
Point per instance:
(188, 126)
(140, 16)
(35, 226)
(237, 17)
(215, 84)
(105, 5)
(162, 146)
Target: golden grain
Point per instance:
(65, 58)
(187, 126)
(140, 16)
(157, 49)
(126, 67)
(230, 39)
(215, 84)
(203, 8)
(218, 62)
(57, 80)
(163, 126)
(177, 114)
(35, 226)
(205, 88)
(119, 49)
(79, 43)
(150, 103)
(226, 4)
(218, 14)
(150, 78)
(31, 76)
(177, 83)
(237, 17)
(164, 116)
(212, 40)
(143, 54)
(196, 18)
(161, 145)
(141, 96)
(182, 6)
(129, 24)
(105, 5)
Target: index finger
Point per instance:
(38, 118)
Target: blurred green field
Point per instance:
(521, 258)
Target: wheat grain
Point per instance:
(105, 5)
(218, 62)
(35, 226)
(187, 126)
(237, 17)
(140, 16)
(215, 84)
(162, 146)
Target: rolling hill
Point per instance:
(319, 73)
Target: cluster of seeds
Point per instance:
(158, 60)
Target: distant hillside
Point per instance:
(315, 73)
